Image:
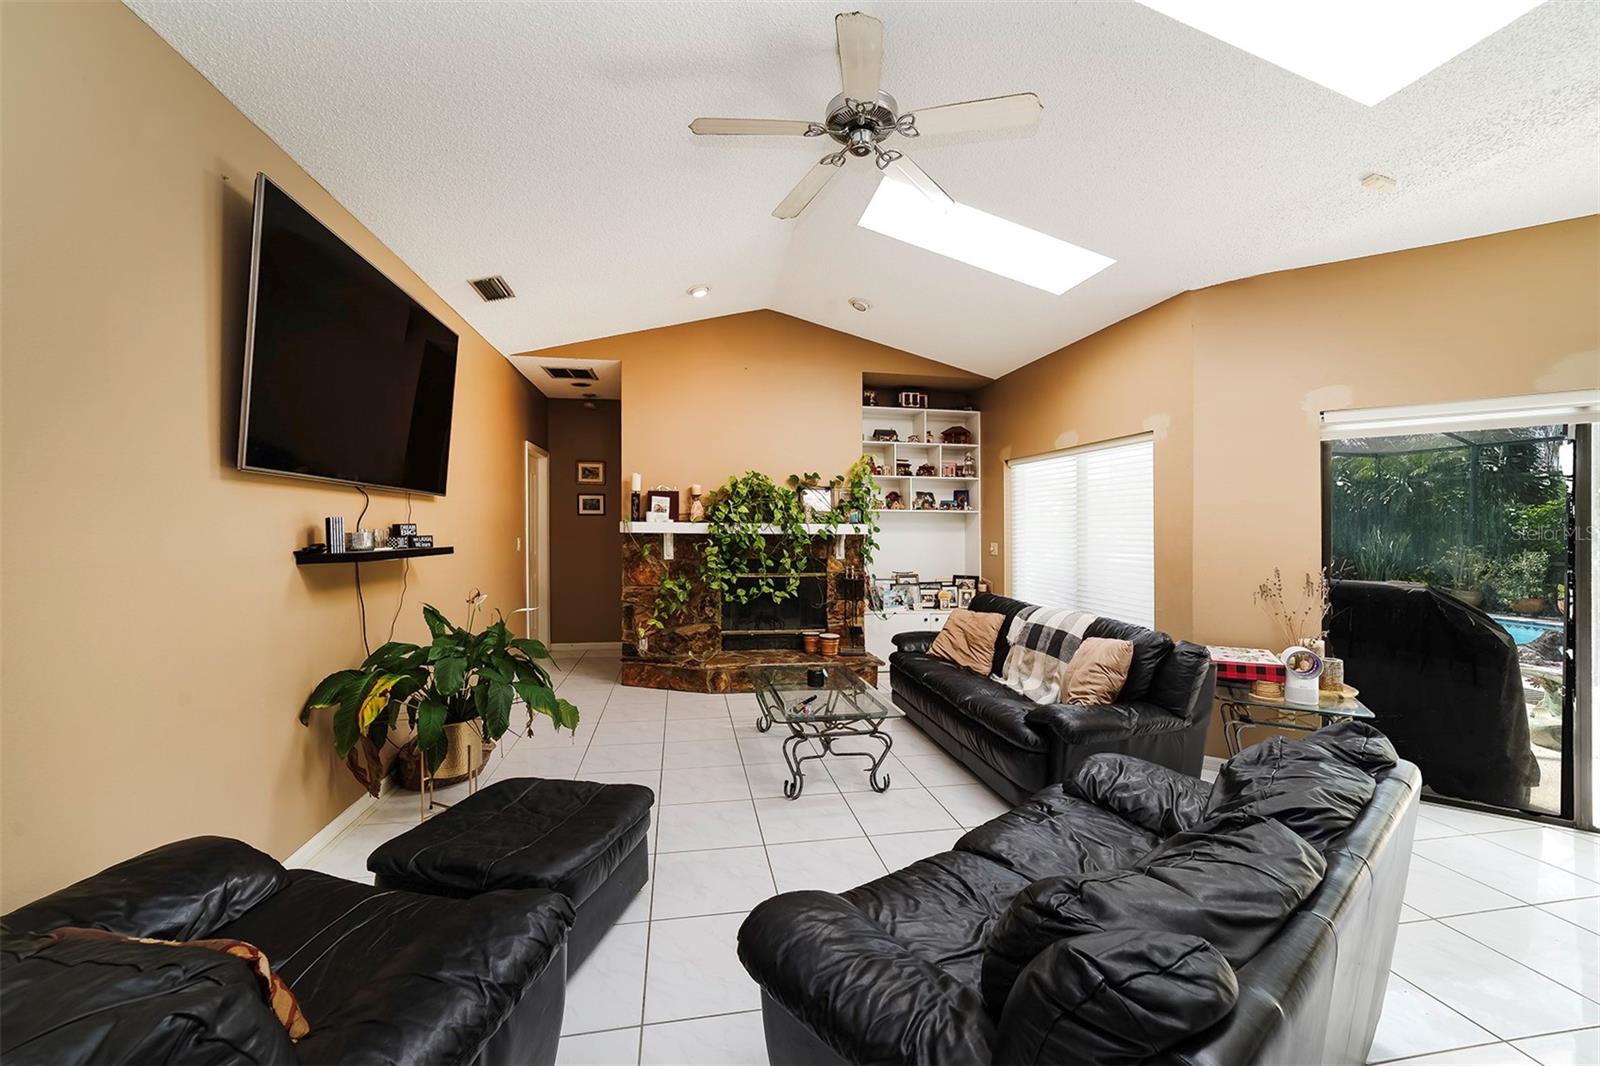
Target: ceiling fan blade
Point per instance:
(860, 54)
(801, 195)
(995, 113)
(752, 127)
(918, 179)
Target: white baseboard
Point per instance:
(342, 821)
(595, 645)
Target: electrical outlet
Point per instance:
(994, 547)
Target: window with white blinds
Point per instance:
(1081, 529)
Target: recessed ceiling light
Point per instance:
(1381, 182)
(978, 238)
(699, 292)
(1367, 50)
(859, 304)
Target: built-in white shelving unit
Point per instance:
(920, 446)
(934, 543)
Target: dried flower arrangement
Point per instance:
(1300, 620)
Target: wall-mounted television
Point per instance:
(346, 378)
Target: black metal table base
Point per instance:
(826, 734)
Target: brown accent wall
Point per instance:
(158, 638)
(705, 401)
(1233, 379)
(585, 550)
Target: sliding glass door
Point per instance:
(1456, 563)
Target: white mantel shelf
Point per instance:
(702, 527)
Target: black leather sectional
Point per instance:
(1017, 746)
(383, 976)
(1133, 915)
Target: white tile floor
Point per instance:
(1497, 961)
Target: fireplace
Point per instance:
(763, 623)
(707, 643)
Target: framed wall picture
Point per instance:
(928, 596)
(591, 503)
(661, 505)
(591, 472)
(816, 500)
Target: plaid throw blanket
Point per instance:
(1043, 640)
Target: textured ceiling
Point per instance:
(548, 143)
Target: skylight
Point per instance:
(1367, 50)
(977, 238)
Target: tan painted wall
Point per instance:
(1504, 315)
(1133, 377)
(585, 550)
(704, 401)
(158, 638)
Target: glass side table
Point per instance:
(840, 707)
(1242, 710)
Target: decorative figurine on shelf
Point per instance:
(893, 502)
(876, 467)
(927, 470)
(969, 466)
(902, 468)
(963, 499)
(697, 509)
(913, 399)
(637, 513)
(888, 435)
(956, 435)
(915, 438)
(869, 397)
(923, 501)
(949, 469)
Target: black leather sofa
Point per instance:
(1017, 746)
(381, 976)
(1198, 969)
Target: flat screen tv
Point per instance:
(346, 378)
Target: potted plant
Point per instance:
(1462, 569)
(456, 691)
(1520, 581)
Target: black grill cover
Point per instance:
(1445, 683)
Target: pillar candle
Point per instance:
(638, 483)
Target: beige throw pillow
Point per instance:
(1096, 672)
(968, 637)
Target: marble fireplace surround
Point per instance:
(688, 655)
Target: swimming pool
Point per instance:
(1526, 630)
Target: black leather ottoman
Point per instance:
(582, 839)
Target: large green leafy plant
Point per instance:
(461, 676)
(756, 541)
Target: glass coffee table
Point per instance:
(1242, 710)
(825, 703)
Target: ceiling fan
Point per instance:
(863, 116)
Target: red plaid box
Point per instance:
(1245, 665)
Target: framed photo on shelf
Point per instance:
(947, 597)
(963, 499)
(815, 500)
(661, 505)
(928, 596)
(591, 503)
(964, 596)
(906, 577)
(965, 581)
(591, 472)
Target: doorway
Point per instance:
(536, 541)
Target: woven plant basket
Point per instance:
(463, 735)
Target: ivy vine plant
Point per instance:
(757, 543)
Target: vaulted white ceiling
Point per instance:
(548, 142)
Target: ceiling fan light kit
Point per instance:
(861, 117)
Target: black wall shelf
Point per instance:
(310, 557)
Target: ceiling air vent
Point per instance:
(572, 373)
(493, 288)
